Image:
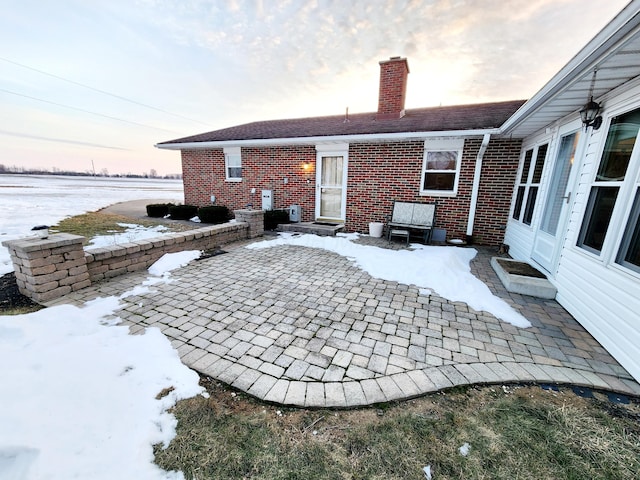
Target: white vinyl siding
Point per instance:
(598, 289)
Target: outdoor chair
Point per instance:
(407, 216)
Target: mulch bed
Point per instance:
(10, 297)
(520, 268)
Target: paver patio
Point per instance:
(305, 327)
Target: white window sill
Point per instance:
(437, 193)
(233, 180)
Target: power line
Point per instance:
(85, 111)
(101, 91)
(59, 140)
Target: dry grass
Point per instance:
(526, 433)
(95, 223)
(20, 310)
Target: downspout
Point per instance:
(476, 186)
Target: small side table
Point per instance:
(399, 233)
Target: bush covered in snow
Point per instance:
(183, 212)
(214, 214)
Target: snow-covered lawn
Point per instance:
(131, 233)
(80, 396)
(30, 200)
(444, 270)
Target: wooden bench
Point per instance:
(407, 216)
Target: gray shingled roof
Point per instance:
(435, 119)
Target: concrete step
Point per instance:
(523, 284)
(316, 228)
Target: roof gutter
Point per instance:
(381, 137)
(622, 26)
(476, 184)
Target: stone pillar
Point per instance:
(255, 219)
(49, 268)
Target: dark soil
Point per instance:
(520, 268)
(10, 297)
(214, 252)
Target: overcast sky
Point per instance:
(203, 65)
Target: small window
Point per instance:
(233, 164)
(527, 191)
(629, 254)
(441, 167)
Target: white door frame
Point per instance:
(332, 150)
(542, 241)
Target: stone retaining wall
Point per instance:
(49, 268)
(108, 262)
(52, 267)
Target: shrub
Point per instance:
(214, 214)
(157, 210)
(183, 212)
(273, 218)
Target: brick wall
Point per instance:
(378, 174)
(499, 169)
(200, 169)
(384, 172)
(262, 168)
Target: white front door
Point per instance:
(551, 228)
(331, 186)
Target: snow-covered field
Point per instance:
(30, 200)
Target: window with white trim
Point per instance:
(527, 191)
(441, 167)
(233, 164)
(608, 183)
(629, 252)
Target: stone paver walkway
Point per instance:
(305, 327)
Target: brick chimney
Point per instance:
(393, 88)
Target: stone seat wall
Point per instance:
(48, 268)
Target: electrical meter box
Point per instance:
(295, 213)
(267, 199)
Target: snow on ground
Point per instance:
(444, 270)
(30, 200)
(132, 233)
(79, 394)
(173, 261)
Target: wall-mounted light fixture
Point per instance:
(589, 113)
(306, 166)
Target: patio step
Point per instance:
(523, 284)
(316, 228)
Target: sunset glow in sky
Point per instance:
(84, 81)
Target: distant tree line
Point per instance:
(13, 169)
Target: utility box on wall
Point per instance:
(295, 213)
(267, 199)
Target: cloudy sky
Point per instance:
(103, 81)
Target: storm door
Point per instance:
(552, 227)
(331, 176)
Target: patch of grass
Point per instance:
(527, 433)
(95, 223)
(20, 310)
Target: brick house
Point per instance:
(350, 168)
